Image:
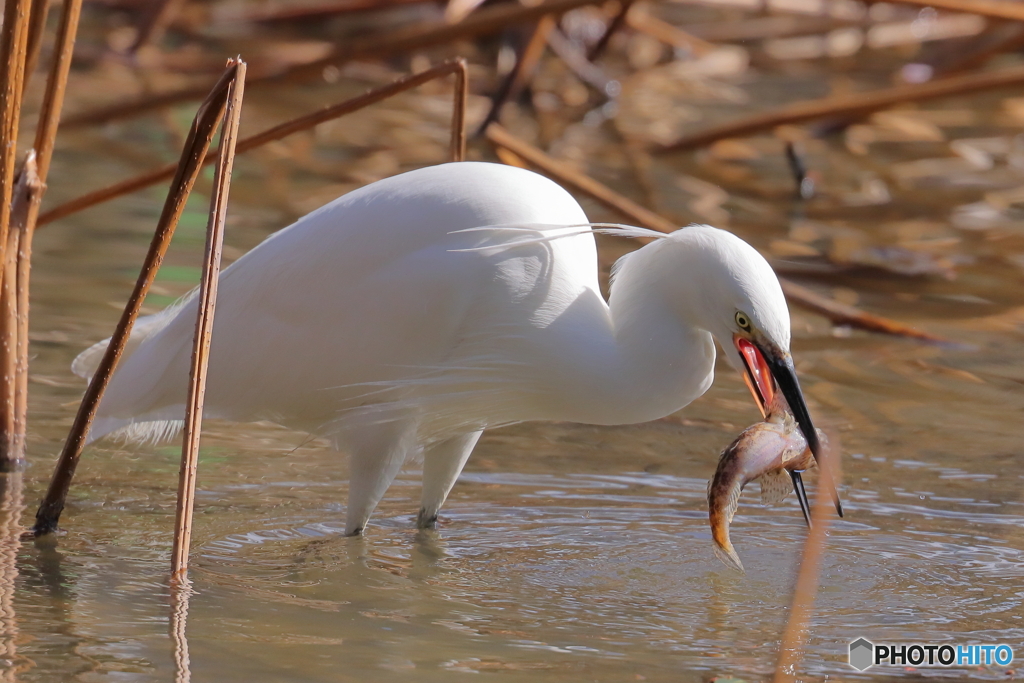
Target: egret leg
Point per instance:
(442, 465)
(377, 454)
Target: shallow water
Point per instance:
(565, 552)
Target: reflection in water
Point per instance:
(181, 593)
(11, 506)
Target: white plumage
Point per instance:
(413, 313)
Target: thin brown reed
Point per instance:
(457, 67)
(181, 594)
(522, 72)
(14, 291)
(196, 146)
(416, 37)
(841, 314)
(667, 33)
(614, 25)
(458, 144)
(13, 52)
(859, 104)
(14, 317)
(207, 302)
(10, 447)
(844, 314)
(317, 11)
(155, 18)
(36, 29)
(569, 176)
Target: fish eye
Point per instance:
(742, 320)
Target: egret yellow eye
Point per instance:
(742, 320)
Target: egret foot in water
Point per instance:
(424, 520)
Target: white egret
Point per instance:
(408, 316)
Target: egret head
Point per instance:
(741, 304)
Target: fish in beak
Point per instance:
(765, 453)
(768, 371)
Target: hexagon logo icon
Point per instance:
(862, 654)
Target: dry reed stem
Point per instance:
(668, 34)
(1010, 40)
(998, 9)
(840, 314)
(56, 85)
(849, 105)
(157, 15)
(457, 67)
(576, 59)
(775, 25)
(203, 126)
(457, 10)
(458, 144)
(415, 37)
(522, 72)
(36, 30)
(13, 51)
(207, 304)
(320, 10)
(22, 272)
(844, 314)
(11, 448)
(509, 158)
(794, 636)
(14, 291)
(614, 25)
(569, 176)
(14, 319)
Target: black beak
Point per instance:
(781, 367)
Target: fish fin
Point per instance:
(720, 516)
(775, 486)
(729, 557)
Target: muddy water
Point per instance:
(566, 552)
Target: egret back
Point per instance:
(374, 299)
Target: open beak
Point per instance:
(767, 371)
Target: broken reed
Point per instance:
(196, 146)
(206, 306)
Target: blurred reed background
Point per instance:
(871, 150)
